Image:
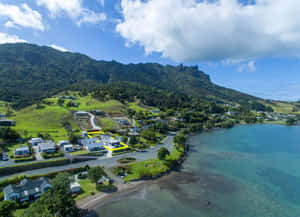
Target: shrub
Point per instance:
(96, 173)
(126, 160)
(162, 153)
(105, 188)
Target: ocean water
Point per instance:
(247, 171)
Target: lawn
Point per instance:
(146, 168)
(280, 107)
(81, 152)
(18, 212)
(106, 123)
(86, 187)
(46, 120)
(138, 107)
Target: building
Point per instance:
(22, 152)
(110, 141)
(68, 97)
(75, 187)
(68, 148)
(81, 114)
(103, 180)
(93, 144)
(98, 112)
(27, 190)
(7, 123)
(47, 147)
(35, 141)
(155, 111)
(63, 143)
(124, 122)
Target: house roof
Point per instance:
(26, 187)
(24, 148)
(47, 145)
(95, 145)
(62, 142)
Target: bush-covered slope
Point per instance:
(29, 72)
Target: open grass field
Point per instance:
(145, 168)
(105, 123)
(86, 187)
(46, 120)
(139, 107)
(280, 107)
(88, 103)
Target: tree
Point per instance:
(291, 121)
(7, 207)
(162, 153)
(8, 134)
(60, 102)
(57, 201)
(227, 124)
(95, 173)
(133, 140)
(74, 138)
(180, 139)
(148, 134)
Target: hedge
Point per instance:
(4, 171)
(52, 155)
(24, 159)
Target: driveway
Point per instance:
(37, 154)
(107, 163)
(6, 163)
(92, 120)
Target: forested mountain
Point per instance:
(30, 72)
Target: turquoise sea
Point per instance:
(246, 171)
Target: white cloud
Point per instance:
(250, 66)
(21, 16)
(59, 48)
(5, 38)
(193, 30)
(102, 2)
(74, 9)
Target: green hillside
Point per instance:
(30, 72)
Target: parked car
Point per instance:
(4, 158)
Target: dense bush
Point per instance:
(162, 153)
(96, 173)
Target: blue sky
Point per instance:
(251, 46)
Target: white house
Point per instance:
(63, 143)
(35, 141)
(47, 147)
(92, 144)
(68, 148)
(75, 187)
(22, 152)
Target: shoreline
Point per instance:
(102, 198)
(87, 205)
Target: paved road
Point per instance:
(106, 162)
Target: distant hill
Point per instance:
(29, 72)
